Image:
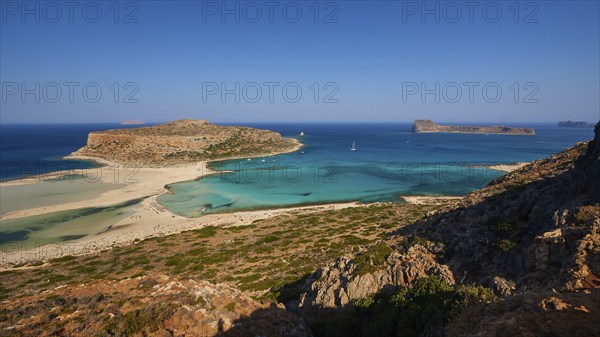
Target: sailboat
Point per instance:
(301, 133)
(353, 148)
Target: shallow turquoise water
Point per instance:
(34, 231)
(390, 161)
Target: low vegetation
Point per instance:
(425, 308)
(269, 259)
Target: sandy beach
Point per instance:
(134, 182)
(428, 200)
(149, 220)
(508, 167)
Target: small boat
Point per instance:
(301, 133)
(263, 160)
(353, 148)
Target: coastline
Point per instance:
(507, 167)
(150, 219)
(136, 182)
(429, 200)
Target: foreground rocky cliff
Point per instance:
(181, 142)
(533, 234)
(158, 306)
(428, 126)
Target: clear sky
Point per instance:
(352, 61)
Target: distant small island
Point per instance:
(428, 126)
(577, 124)
(133, 122)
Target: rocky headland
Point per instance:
(182, 142)
(428, 126)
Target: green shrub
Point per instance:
(141, 320)
(373, 259)
(230, 306)
(66, 258)
(504, 227)
(587, 213)
(409, 312)
(506, 245)
(206, 232)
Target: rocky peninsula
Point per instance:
(428, 126)
(182, 142)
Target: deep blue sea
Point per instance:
(27, 149)
(389, 161)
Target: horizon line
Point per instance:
(294, 122)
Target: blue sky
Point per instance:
(371, 61)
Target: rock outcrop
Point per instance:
(341, 282)
(150, 306)
(532, 314)
(428, 126)
(181, 142)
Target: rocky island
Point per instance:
(181, 142)
(572, 124)
(428, 126)
(133, 122)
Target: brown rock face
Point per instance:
(181, 142)
(339, 283)
(157, 306)
(532, 314)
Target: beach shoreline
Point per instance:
(429, 200)
(142, 182)
(149, 220)
(508, 167)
